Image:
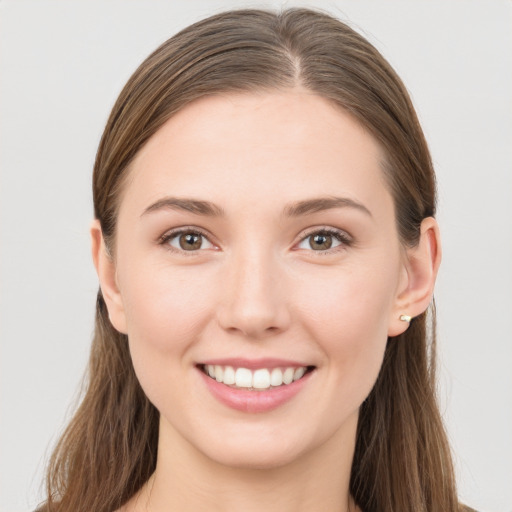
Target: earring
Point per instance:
(405, 318)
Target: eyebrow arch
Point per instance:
(323, 203)
(189, 205)
(305, 207)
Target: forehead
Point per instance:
(265, 148)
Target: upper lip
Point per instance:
(254, 364)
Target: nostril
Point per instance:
(253, 329)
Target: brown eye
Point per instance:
(320, 241)
(190, 241)
(187, 241)
(325, 240)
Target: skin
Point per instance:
(258, 288)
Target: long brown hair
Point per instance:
(402, 460)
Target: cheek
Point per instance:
(165, 306)
(166, 311)
(348, 314)
(354, 299)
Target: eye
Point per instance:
(324, 240)
(187, 240)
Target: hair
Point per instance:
(402, 458)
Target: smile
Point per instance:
(257, 379)
(255, 386)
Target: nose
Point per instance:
(254, 299)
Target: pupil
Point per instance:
(321, 242)
(190, 241)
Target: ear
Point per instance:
(106, 270)
(421, 264)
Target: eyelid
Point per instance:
(341, 235)
(174, 232)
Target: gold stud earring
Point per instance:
(405, 318)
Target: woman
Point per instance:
(266, 248)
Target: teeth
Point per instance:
(288, 375)
(299, 372)
(243, 378)
(262, 378)
(229, 375)
(276, 377)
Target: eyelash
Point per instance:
(167, 237)
(341, 236)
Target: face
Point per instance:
(257, 245)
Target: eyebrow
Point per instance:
(189, 205)
(297, 209)
(309, 206)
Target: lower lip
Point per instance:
(256, 401)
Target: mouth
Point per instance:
(258, 379)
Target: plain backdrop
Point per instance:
(62, 64)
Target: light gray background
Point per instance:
(62, 66)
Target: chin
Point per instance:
(255, 459)
(263, 451)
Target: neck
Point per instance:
(186, 480)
